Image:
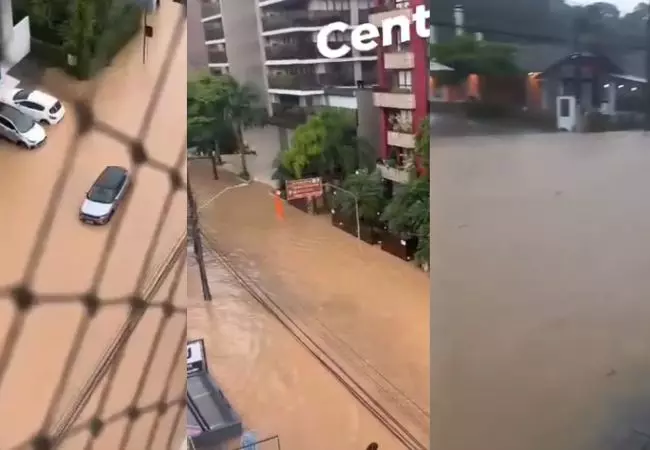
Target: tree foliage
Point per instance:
(218, 110)
(467, 55)
(367, 189)
(327, 146)
(407, 213)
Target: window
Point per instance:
(404, 79)
(32, 105)
(5, 123)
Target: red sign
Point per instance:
(306, 188)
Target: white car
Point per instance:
(38, 105)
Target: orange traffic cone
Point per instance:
(279, 206)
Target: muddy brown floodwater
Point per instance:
(276, 385)
(72, 252)
(540, 280)
(368, 309)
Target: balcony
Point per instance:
(302, 18)
(210, 8)
(293, 50)
(399, 60)
(217, 56)
(394, 98)
(400, 139)
(395, 174)
(390, 10)
(213, 31)
(309, 82)
(290, 116)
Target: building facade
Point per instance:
(402, 91)
(271, 44)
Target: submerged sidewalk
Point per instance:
(371, 307)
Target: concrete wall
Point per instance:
(197, 55)
(243, 44)
(369, 118)
(540, 294)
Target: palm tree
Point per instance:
(205, 127)
(240, 107)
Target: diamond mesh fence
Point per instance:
(83, 420)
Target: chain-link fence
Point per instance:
(65, 421)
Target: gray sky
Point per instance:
(624, 5)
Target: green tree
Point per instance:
(327, 146)
(368, 191)
(79, 32)
(205, 121)
(239, 105)
(408, 212)
(467, 55)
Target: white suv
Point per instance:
(38, 105)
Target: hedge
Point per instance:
(46, 44)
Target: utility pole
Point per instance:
(195, 232)
(646, 87)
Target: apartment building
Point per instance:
(296, 73)
(215, 38)
(272, 45)
(402, 91)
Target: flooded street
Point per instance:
(46, 247)
(540, 280)
(273, 382)
(367, 309)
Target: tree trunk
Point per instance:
(213, 159)
(242, 154)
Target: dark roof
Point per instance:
(540, 57)
(111, 177)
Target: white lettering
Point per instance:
(388, 29)
(420, 17)
(363, 37)
(322, 41)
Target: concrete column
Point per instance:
(6, 26)
(611, 98)
(354, 20)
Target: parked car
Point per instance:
(38, 105)
(105, 195)
(20, 128)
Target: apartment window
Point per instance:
(404, 79)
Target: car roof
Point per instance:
(11, 113)
(111, 177)
(41, 98)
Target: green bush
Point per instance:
(119, 32)
(49, 54)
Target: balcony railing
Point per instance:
(302, 18)
(213, 32)
(310, 81)
(217, 56)
(210, 8)
(394, 98)
(290, 115)
(294, 50)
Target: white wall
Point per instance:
(20, 44)
(342, 102)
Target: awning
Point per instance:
(437, 67)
